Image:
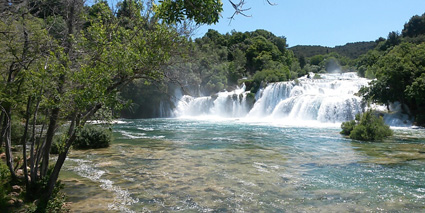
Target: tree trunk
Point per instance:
(24, 142)
(59, 163)
(72, 134)
(39, 153)
(48, 143)
(9, 155)
(2, 127)
(33, 138)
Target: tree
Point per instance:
(23, 41)
(70, 78)
(316, 60)
(415, 26)
(416, 95)
(399, 76)
(201, 11)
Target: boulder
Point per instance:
(13, 194)
(20, 173)
(17, 189)
(11, 202)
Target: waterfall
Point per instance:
(224, 104)
(330, 99)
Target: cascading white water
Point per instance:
(225, 104)
(330, 99)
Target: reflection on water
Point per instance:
(231, 166)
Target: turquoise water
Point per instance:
(235, 165)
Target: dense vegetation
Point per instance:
(367, 127)
(66, 62)
(92, 137)
(398, 64)
(350, 50)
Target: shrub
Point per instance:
(4, 184)
(347, 127)
(317, 76)
(92, 137)
(58, 144)
(367, 127)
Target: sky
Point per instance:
(320, 22)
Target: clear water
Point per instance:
(231, 165)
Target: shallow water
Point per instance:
(240, 166)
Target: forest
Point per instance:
(64, 63)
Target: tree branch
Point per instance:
(239, 8)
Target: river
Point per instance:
(282, 154)
(231, 165)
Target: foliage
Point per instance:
(270, 75)
(416, 96)
(58, 144)
(398, 64)
(237, 55)
(317, 76)
(55, 204)
(66, 62)
(316, 60)
(415, 91)
(93, 137)
(399, 74)
(366, 61)
(350, 50)
(201, 11)
(250, 98)
(415, 26)
(16, 131)
(332, 62)
(348, 126)
(366, 127)
(4, 184)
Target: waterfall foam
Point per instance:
(330, 99)
(224, 104)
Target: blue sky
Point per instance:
(321, 22)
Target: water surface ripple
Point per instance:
(166, 165)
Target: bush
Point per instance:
(58, 145)
(4, 184)
(317, 76)
(367, 127)
(92, 137)
(347, 127)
